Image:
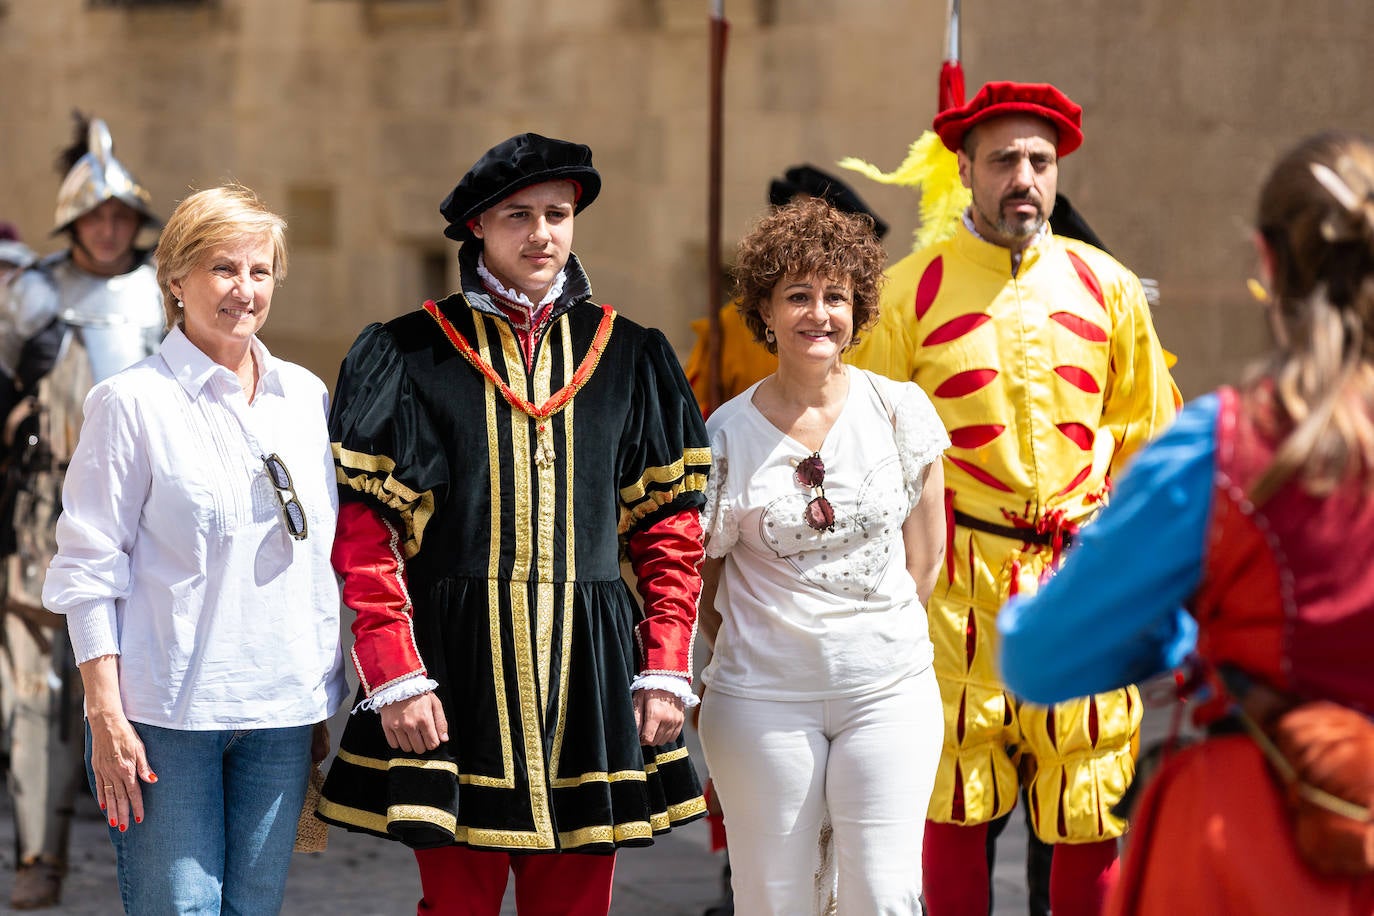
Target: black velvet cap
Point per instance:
(521, 161)
(811, 181)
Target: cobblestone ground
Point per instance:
(362, 876)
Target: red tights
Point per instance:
(458, 881)
(956, 880)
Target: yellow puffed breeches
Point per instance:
(1076, 758)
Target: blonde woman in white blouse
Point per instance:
(193, 567)
(825, 531)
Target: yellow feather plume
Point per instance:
(935, 171)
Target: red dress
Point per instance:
(1288, 596)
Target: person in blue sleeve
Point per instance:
(1242, 543)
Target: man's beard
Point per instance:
(1017, 228)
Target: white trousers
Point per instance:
(864, 763)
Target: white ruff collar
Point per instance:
(519, 298)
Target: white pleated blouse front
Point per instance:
(172, 550)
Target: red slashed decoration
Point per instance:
(1085, 273)
(1078, 433)
(1081, 326)
(970, 638)
(956, 807)
(949, 533)
(1079, 378)
(955, 328)
(972, 558)
(1063, 796)
(929, 285)
(1077, 479)
(975, 436)
(979, 474)
(962, 383)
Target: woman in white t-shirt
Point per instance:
(821, 703)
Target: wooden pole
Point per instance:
(715, 141)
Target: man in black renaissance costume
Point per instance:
(497, 453)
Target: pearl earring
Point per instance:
(179, 305)
(769, 336)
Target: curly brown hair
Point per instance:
(805, 239)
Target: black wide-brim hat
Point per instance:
(509, 166)
(812, 182)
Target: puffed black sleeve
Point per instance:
(664, 453)
(386, 452)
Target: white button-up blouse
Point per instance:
(174, 555)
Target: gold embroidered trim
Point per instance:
(572, 782)
(355, 816)
(415, 509)
(569, 572)
(530, 717)
(544, 471)
(684, 810)
(377, 763)
(423, 814)
(605, 833)
(498, 675)
(669, 756)
(695, 457)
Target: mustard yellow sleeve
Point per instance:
(1140, 399)
(695, 368)
(886, 348)
(743, 359)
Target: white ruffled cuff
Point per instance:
(677, 686)
(404, 689)
(92, 627)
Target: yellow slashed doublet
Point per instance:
(1048, 377)
(511, 524)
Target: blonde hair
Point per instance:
(207, 220)
(1316, 216)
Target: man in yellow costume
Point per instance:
(1041, 358)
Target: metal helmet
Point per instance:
(97, 177)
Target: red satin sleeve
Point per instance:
(666, 558)
(367, 554)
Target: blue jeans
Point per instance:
(218, 825)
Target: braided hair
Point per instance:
(1316, 392)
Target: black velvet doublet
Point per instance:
(511, 526)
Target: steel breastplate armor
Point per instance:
(119, 319)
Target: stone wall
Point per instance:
(355, 118)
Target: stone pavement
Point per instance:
(363, 876)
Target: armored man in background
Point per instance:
(67, 322)
(496, 452)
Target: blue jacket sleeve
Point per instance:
(1114, 613)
